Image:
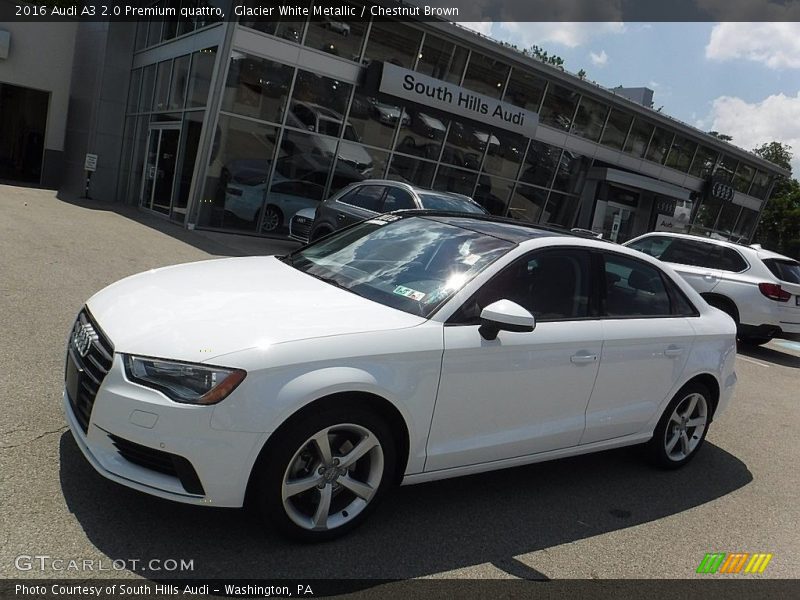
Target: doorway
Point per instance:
(23, 123)
(618, 222)
(160, 166)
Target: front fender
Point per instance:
(404, 371)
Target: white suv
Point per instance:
(759, 289)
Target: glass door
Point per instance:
(618, 222)
(158, 178)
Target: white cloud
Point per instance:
(567, 34)
(600, 60)
(777, 45)
(775, 118)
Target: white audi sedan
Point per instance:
(403, 349)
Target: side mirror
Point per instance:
(505, 315)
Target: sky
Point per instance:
(742, 79)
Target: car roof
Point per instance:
(410, 186)
(503, 228)
(761, 252)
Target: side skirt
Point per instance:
(507, 463)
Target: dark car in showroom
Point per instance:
(371, 197)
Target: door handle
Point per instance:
(582, 359)
(673, 351)
(341, 216)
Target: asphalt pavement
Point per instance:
(608, 515)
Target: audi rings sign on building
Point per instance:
(720, 189)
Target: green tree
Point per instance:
(779, 227)
(721, 136)
(542, 55)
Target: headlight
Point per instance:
(183, 382)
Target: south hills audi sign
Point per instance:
(446, 97)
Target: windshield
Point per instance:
(785, 270)
(449, 203)
(411, 264)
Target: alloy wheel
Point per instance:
(686, 426)
(332, 478)
(272, 220)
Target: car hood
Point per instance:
(199, 311)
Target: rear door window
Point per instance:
(633, 289)
(729, 259)
(692, 253)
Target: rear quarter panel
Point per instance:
(712, 353)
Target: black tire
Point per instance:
(657, 447)
(754, 341)
(289, 448)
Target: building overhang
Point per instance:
(639, 181)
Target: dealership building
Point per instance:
(235, 126)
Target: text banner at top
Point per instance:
(473, 12)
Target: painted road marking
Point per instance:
(750, 360)
(789, 345)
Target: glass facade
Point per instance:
(442, 60)
(159, 31)
(166, 111)
(703, 162)
(589, 119)
(616, 130)
(638, 138)
(287, 136)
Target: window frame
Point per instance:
(357, 190)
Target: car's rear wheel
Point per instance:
(322, 476)
(683, 427)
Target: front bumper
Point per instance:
(126, 417)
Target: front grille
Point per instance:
(160, 461)
(94, 366)
(302, 230)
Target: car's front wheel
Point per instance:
(323, 475)
(683, 426)
(273, 218)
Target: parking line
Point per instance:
(789, 345)
(750, 360)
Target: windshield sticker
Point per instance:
(470, 259)
(409, 293)
(383, 219)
